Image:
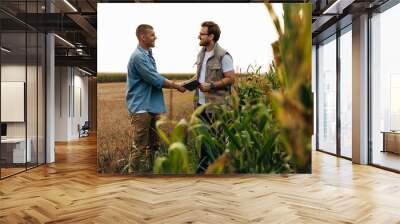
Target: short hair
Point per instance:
(142, 28)
(213, 28)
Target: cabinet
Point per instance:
(13, 150)
(391, 141)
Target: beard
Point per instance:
(151, 44)
(203, 43)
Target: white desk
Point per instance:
(18, 150)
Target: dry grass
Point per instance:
(114, 131)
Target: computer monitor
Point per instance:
(3, 129)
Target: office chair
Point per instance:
(84, 130)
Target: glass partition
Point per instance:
(385, 89)
(346, 93)
(327, 95)
(14, 153)
(22, 88)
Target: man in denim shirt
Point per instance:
(144, 99)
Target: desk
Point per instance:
(15, 148)
(391, 141)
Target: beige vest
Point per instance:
(213, 73)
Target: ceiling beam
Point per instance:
(83, 61)
(84, 24)
(337, 7)
(320, 22)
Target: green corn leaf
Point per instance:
(179, 132)
(161, 133)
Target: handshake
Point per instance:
(191, 85)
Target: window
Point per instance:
(23, 87)
(327, 95)
(346, 93)
(385, 89)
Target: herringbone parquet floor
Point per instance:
(70, 191)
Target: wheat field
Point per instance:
(114, 130)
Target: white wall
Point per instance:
(16, 73)
(13, 72)
(13, 100)
(62, 81)
(33, 126)
(81, 82)
(70, 83)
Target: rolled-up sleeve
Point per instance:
(227, 63)
(148, 73)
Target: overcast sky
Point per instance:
(246, 32)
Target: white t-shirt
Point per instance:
(227, 65)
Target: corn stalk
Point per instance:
(293, 101)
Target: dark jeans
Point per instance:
(204, 158)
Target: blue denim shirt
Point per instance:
(144, 84)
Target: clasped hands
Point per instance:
(204, 87)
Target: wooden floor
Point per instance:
(10, 171)
(70, 191)
(387, 159)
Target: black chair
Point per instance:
(84, 130)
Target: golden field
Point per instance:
(114, 132)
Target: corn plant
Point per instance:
(256, 85)
(245, 137)
(267, 127)
(293, 101)
(176, 159)
(251, 140)
(176, 162)
(184, 145)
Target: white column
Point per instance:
(313, 89)
(360, 90)
(50, 94)
(62, 103)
